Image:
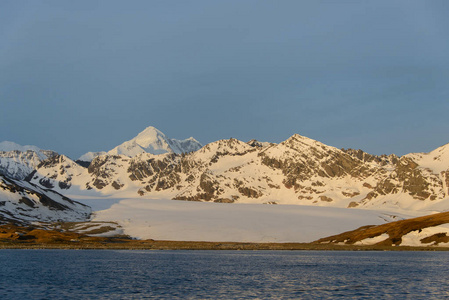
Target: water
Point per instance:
(107, 274)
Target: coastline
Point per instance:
(189, 245)
(27, 237)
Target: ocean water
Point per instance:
(109, 274)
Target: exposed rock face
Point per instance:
(256, 143)
(57, 172)
(296, 171)
(445, 177)
(408, 178)
(326, 199)
(303, 158)
(366, 157)
(83, 163)
(103, 171)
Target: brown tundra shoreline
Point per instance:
(186, 245)
(22, 237)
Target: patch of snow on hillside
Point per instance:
(414, 238)
(373, 240)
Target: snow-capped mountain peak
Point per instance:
(231, 146)
(436, 160)
(7, 146)
(150, 140)
(18, 161)
(297, 141)
(89, 156)
(151, 137)
(11, 146)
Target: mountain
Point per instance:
(7, 146)
(154, 141)
(256, 143)
(89, 156)
(23, 202)
(18, 161)
(437, 160)
(150, 140)
(298, 171)
(59, 172)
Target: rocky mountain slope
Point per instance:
(23, 202)
(18, 161)
(150, 140)
(297, 171)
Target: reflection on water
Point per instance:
(92, 274)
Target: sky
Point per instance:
(79, 76)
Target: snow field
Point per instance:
(163, 219)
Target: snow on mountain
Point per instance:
(18, 164)
(256, 143)
(320, 180)
(150, 140)
(154, 141)
(22, 202)
(298, 171)
(7, 146)
(232, 147)
(184, 146)
(437, 160)
(18, 161)
(89, 156)
(60, 173)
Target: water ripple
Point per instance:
(103, 274)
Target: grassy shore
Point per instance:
(22, 237)
(124, 244)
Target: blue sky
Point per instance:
(78, 76)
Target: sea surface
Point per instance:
(110, 274)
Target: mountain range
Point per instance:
(298, 171)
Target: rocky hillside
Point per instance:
(297, 171)
(431, 230)
(23, 202)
